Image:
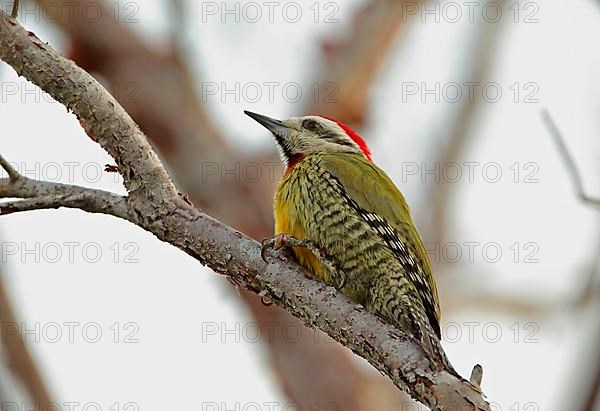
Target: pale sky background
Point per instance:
(169, 301)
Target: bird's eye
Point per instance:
(311, 125)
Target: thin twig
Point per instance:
(476, 375)
(568, 160)
(12, 172)
(86, 200)
(591, 398)
(44, 194)
(15, 9)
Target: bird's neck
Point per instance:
(293, 160)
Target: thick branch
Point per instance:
(103, 119)
(158, 90)
(154, 202)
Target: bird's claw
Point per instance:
(333, 268)
(342, 283)
(266, 301)
(265, 245)
(287, 240)
(280, 241)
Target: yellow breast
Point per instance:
(287, 221)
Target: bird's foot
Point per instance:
(287, 241)
(283, 241)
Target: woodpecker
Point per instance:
(351, 227)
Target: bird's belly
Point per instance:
(347, 242)
(286, 224)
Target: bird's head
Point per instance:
(299, 137)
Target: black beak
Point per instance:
(274, 126)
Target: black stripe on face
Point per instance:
(285, 149)
(336, 139)
(345, 143)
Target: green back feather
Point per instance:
(374, 191)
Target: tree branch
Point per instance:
(15, 9)
(568, 160)
(12, 172)
(158, 90)
(154, 205)
(43, 195)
